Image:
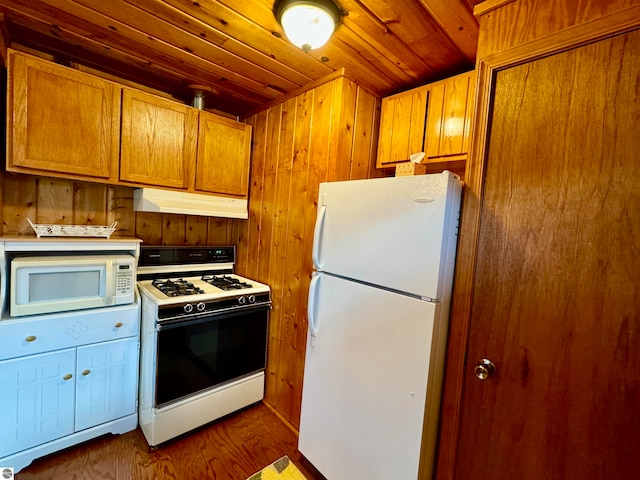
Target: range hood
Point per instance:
(167, 201)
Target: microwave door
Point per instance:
(53, 285)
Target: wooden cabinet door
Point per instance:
(158, 141)
(37, 399)
(555, 298)
(107, 376)
(224, 151)
(449, 116)
(61, 121)
(402, 126)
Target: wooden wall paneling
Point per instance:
(89, 204)
(120, 209)
(294, 244)
(253, 251)
(525, 21)
(325, 134)
(196, 230)
(19, 203)
(269, 193)
(54, 201)
(174, 229)
(342, 126)
(299, 143)
(219, 231)
(149, 227)
(278, 256)
(365, 126)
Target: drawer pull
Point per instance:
(30, 338)
(86, 372)
(68, 376)
(118, 325)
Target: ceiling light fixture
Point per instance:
(308, 24)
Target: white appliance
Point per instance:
(69, 376)
(60, 283)
(384, 253)
(204, 339)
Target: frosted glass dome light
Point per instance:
(307, 24)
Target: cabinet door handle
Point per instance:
(118, 324)
(30, 338)
(86, 372)
(68, 376)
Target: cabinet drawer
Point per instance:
(44, 333)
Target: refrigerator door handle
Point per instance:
(317, 235)
(311, 308)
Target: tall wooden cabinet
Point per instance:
(61, 120)
(546, 281)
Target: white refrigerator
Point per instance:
(384, 253)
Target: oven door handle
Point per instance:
(311, 307)
(186, 321)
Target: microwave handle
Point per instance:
(110, 287)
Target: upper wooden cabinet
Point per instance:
(159, 139)
(61, 121)
(449, 116)
(402, 126)
(70, 124)
(434, 118)
(224, 152)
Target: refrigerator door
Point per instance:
(396, 232)
(372, 380)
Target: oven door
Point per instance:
(201, 352)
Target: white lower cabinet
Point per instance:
(106, 385)
(35, 395)
(50, 400)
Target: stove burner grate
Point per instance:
(176, 288)
(224, 282)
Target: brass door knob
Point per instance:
(118, 324)
(68, 376)
(484, 369)
(86, 372)
(30, 338)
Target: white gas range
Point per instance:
(203, 343)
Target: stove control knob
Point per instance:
(242, 300)
(252, 299)
(188, 308)
(201, 306)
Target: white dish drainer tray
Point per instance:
(52, 230)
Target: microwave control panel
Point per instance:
(124, 278)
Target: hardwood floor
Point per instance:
(232, 448)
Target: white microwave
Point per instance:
(48, 284)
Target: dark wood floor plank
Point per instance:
(232, 448)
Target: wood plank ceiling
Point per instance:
(238, 49)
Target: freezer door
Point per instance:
(372, 379)
(397, 232)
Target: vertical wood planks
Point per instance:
(18, 204)
(327, 133)
(67, 202)
(323, 134)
